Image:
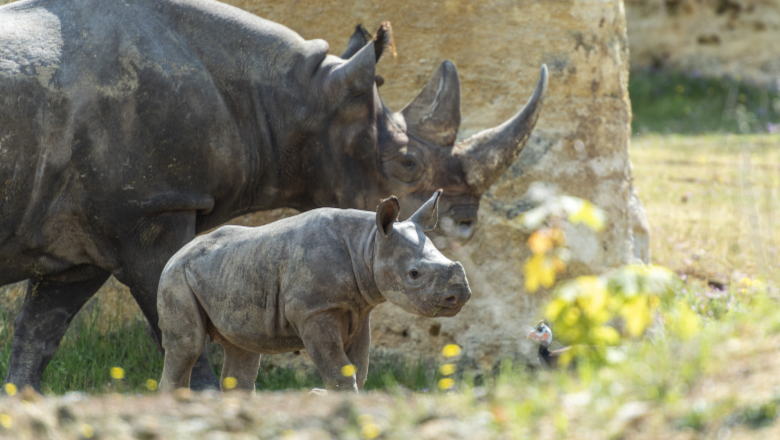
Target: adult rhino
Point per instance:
(126, 128)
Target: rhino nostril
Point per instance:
(451, 300)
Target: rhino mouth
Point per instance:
(445, 311)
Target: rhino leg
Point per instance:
(159, 238)
(49, 306)
(357, 352)
(323, 336)
(241, 365)
(183, 331)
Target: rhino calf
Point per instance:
(308, 281)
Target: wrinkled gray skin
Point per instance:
(310, 282)
(127, 127)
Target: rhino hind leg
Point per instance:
(49, 306)
(183, 330)
(240, 364)
(156, 240)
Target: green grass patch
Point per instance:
(680, 103)
(87, 354)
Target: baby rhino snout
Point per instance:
(457, 292)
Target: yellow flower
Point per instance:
(10, 389)
(590, 215)
(348, 370)
(447, 369)
(370, 431)
(87, 430)
(151, 384)
(117, 373)
(365, 419)
(450, 350)
(637, 314)
(539, 270)
(540, 242)
(446, 383)
(229, 383)
(5, 421)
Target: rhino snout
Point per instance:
(457, 292)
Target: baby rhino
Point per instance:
(309, 281)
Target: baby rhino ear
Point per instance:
(386, 215)
(428, 214)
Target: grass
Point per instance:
(89, 350)
(679, 103)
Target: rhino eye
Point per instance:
(414, 274)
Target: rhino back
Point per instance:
(259, 285)
(110, 111)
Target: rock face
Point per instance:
(580, 145)
(713, 37)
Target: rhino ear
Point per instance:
(386, 215)
(434, 114)
(384, 40)
(356, 75)
(359, 38)
(428, 214)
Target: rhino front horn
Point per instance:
(488, 154)
(356, 75)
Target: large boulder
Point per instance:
(580, 144)
(711, 37)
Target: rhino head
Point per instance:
(409, 271)
(419, 153)
(430, 157)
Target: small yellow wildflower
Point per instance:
(5, 421)
(229, 383)
(590, 215)
(540, 242)
(117, 373)
(539, 270)
(87, 430)
(370, 431)
(365, 419)
(446, 383)
(450, 350)
(10, 389)
(151, 384)
(348, 370)
(447, 369)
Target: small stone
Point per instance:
(183, 395)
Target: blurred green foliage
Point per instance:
(681, 103)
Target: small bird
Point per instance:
(542, 334)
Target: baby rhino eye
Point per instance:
(414, 273)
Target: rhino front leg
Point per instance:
(358, 352)
(48, 308)
(323, 336)
(241, 365)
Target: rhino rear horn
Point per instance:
(428, 214)
(386, 215)
(488, 154)
(434, 115)
(356, 75)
